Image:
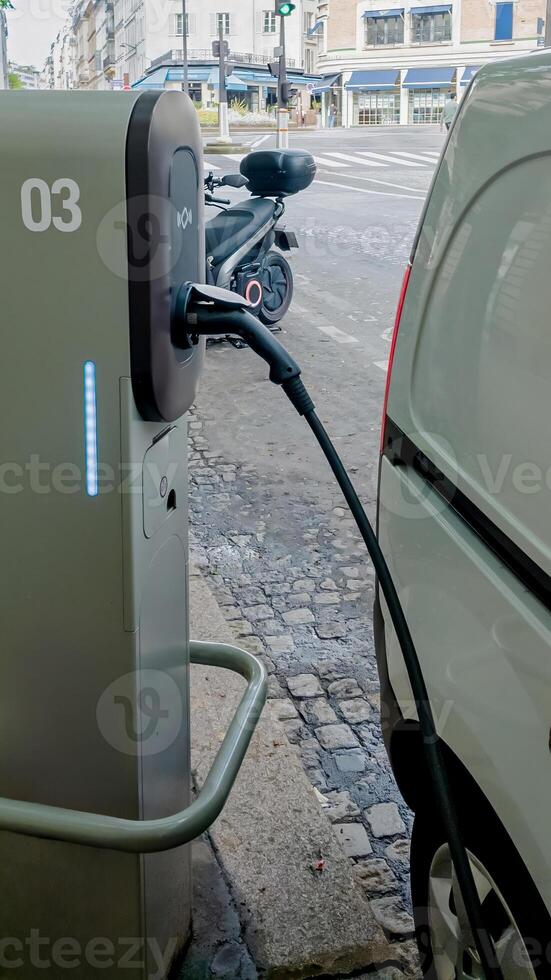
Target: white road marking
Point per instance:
(350, 159)
(364, 190)
(389, 159)
(238, 157)
(387, 334)
(383, 365)
(324, 162)
(385, 183)
(417, 156)
(260, 141)
(339, 335)
(210, 166)
(325, 327)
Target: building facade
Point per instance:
(93, 29)
(115, 42)
(4, 81)
(251, 83)
(29, 76)
(59, 69)
(386, 65)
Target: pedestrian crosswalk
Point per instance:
(428, 156)
(367, 159)
(372, 158)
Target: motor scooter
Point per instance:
(245, 242)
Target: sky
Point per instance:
(32, 26)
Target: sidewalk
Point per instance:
(294, 906)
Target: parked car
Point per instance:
(464, 520)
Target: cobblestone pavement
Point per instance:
(297, 588)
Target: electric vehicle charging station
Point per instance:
(102, 220)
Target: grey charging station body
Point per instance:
(101, 204)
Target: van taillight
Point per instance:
(399, 311)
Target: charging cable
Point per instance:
(204, 311)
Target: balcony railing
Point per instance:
(205, 54)
(109, 56)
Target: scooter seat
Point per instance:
(231, 229)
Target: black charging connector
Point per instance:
(210, 311)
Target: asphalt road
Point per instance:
(355, 226)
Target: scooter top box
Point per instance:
(278, 173)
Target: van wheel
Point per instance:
(277, 288)
(514, 912)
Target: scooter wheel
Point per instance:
(277, 287)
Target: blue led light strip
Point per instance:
(91, 428)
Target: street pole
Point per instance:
(185, 79)
(282, 89)
(548, 25)
(222, 94)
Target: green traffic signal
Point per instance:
(284, 9)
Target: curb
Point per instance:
(303, 911)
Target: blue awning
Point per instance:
(302, 79)
(155, 80)
(233, 83)
(429, 78)
(194, 74)
(440, 8)
(470, 70)
(255, 77)
(326, 84)
(313, 30)
(365, 80)
(379, 14)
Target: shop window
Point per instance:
(431, 28)
(377, 108)
(426, 105)
(384, 30)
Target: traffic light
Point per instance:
(284, 8)
(273, 68)
(287, 92)
(216, 49)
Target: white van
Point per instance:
(465, 521)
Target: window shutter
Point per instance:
(192, 23)
(213, 25)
